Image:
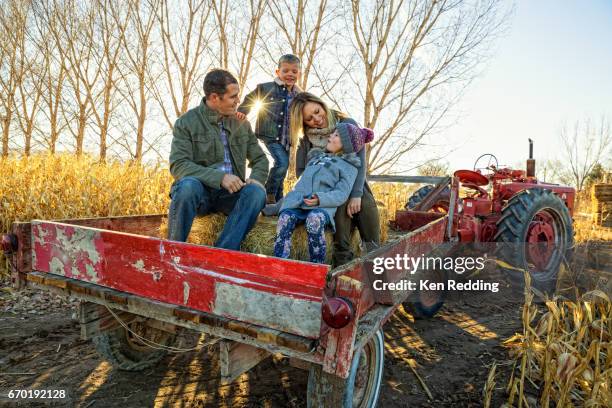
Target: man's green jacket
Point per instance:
(197, 150)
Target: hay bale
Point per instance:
(260, 240)
(602, 204)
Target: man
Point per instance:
(210, 147)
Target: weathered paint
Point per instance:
(340, 342)
(75, 254)
(182, 274)
(185, 292)
(303, 317)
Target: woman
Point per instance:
(311, 123)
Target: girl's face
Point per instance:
(334, 143)
(314, 115)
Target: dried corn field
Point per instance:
(65, 186)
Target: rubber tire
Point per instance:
(417, 309)
(422, 192)
(338, 387)
(420, 311)
(512, 229)
(114, 346)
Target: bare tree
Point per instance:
(238, 34)
(29, 97)
(434, 168)
(72, 25)
(412, 54)
(136, 86)
(13, 15)
(53, 75)
(221, 11)
(256, 11)
(110, 25)
(30, 86)
(584, 145)
(301, 25)
(184, 41)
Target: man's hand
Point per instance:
(231, 183)
(312, 201)
(253, 181)
(353, 206)
(240, 116)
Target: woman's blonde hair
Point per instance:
(297, 129)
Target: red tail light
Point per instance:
(337, 312)
(8, 243)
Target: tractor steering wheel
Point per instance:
(491, 161)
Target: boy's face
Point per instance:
(289, 73)
(334, 143)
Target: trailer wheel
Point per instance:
(536, 234)
(441, 206)
(362, 387)
(126, 352)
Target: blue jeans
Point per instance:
(276, 178)
(190, 198)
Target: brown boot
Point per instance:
(270, 199)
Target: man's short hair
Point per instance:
(290, 59)
(216, 81)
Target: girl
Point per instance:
(310, 123)
(325, 184)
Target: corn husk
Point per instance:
(567, 353)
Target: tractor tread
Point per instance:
(512, 228)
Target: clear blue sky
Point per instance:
(553, 65)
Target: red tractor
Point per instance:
(527, 221)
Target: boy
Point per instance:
(272, 126)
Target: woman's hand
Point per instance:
(312, 201)
(353, 206)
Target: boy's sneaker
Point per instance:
(272, 210)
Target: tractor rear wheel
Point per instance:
(441, 206)
(536, 234)
(125, 351)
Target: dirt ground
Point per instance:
(40, 348)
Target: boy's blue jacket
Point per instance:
(330, 177)
(270, 117)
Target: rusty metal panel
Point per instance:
(299, 316)
(172, 272)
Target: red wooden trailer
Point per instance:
(138, 291)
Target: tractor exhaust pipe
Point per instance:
(530, 161)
